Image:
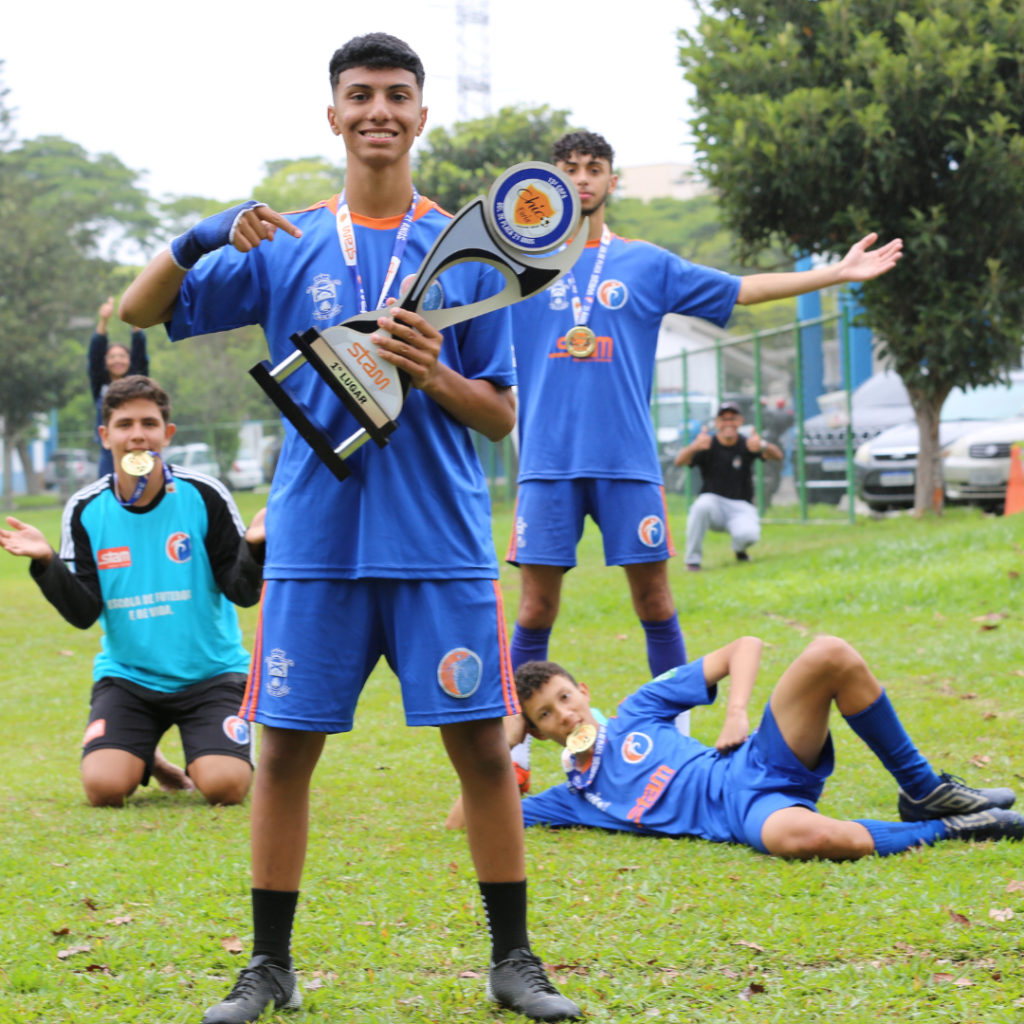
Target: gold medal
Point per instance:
(581, 738)
(138, 463)
(581, 342)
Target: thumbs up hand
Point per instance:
(703, 440)
(754, 442)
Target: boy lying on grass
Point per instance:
(638, 773)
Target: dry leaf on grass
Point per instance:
(63, 954)
(755, 988)
(960, 919)
(365, 924)
(989, 715)
(1015, 885)
(905, 946)
(67, 931)
(232, 944)
(127, 919)
(990, 617)
(980, 760)
(729, 973)
(963, 982)
(988, 627)
(469, 974)
(94, 969)
(90, 903)
(1013, 574)
(67, 654)
(969, 696)
(628, 867)
(749, 945)
(943, 976)
(313, 985)
(621, 636)
(1006, 914)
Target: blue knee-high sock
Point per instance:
(665, 646)
(880, 728)
(529, 645)
(897, 836)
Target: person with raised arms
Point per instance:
(398, 561)
(638, 773)
(585, 351)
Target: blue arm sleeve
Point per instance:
(694, 290)
(221, 292)
(677, 690)
(555, 806)
(139, 356)
(485, 343)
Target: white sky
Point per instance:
(200, 94)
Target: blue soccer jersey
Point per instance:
(158, 574)
(418, 509)
(591, 417)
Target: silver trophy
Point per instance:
(532, 209)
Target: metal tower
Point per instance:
(472, 22)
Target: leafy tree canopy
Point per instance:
(291, 185)
(457, 164)
(818, 122)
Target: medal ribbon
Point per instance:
(581, 310)
(577, 780)
(347, 238)
(141, 485)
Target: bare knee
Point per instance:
(106, 792)
(810, 836)
(479, 748)
(833, 655)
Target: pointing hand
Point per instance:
(703, 440)
(754, 442)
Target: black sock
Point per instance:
(505, 907)
(272, 915)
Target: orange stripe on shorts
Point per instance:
(508, 685)
(668, 529)
(510, 555)
(252, 686)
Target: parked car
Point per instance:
(70, 468)
(977, 465)
(198, 457)
(245, 473)
(879, 403)
(886, 467)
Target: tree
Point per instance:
(458, 164)
(818, 122)
(59, 208)
(291, 185)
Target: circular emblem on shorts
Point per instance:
(459, 672)
(236, 729)
(434, 299)
(612, 294)
(179, 547)
(636, 746)
(533, 207)
(651, 531)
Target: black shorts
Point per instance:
(126, 716)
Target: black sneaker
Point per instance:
(954, 796)
(993, 824)
(520, 983)
(259, 984)
(742, 556)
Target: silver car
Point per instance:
(198, 457)
(977, 466)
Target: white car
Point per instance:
(245, 473)
(977, 466)
(198, 457)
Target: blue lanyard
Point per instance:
(141, 485)
(581, 311)
(577, 780)
(347, 238)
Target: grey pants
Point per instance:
(739, 519)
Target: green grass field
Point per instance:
(390, 927)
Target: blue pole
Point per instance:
(812, 360)
(861, 341)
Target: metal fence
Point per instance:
(764, 372)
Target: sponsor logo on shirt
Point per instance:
(324, 292)
(114, 558)
(654, 788)
(94, 731)
(459, 672)
(278, 664)
(434, 299)
(612, 294)
(602, 354)
(179, 547)
(636, 746)
(559, 295)
(651, 531)
(236, 729)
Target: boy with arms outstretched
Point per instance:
(396, 561)
(158, 559)
(641, 775)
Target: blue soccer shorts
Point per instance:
(631, 515)
(317, 641)
(765, 776)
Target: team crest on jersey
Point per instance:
(324, 291)
(612, 294)
(559, 295)
(179, 547)
(636, 746)
(434, 299)
(236, 729)
(651, 531)
(459, 672)
(278, 664)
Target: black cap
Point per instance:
(729, 407)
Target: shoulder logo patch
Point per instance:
(612, 294)
(324, 292)
(459, 672)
